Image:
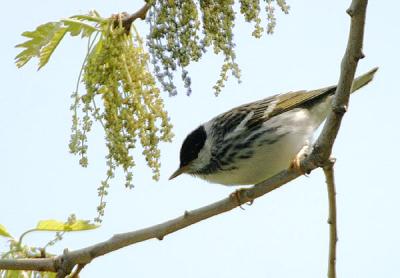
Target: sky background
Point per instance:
(284, 233)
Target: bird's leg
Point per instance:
(302, 154)
(236, 196)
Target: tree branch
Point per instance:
(28, 264)
(64, 264)
(127, 19)
(330, 182)
(324, 144)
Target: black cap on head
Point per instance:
(192, 145)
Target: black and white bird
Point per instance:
(252, 142)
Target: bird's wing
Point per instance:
(265, 109)
(253, 114)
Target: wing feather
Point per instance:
(267, 108)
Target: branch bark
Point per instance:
(332, 221)
(324, 144)
(319, 157)
(127, 19)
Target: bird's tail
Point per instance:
(363, 80)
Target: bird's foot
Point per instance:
(295, 164)
(236, 195)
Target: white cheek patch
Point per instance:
(204, 156)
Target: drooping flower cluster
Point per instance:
(120, 93)
(175, 41)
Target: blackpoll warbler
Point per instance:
(252, 142)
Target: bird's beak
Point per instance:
(178, 172)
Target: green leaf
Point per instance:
(48, 274)
(44, 40)
(3, 231)
(16, 274)
(58, 226)
(38, 39)
(48, 49)
(25, 274)
(76, 27)
(93, 16)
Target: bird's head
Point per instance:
(194, 152)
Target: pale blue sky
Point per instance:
(283, 234)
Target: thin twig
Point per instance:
(139, 14)
(126, 19)
(330, 182)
